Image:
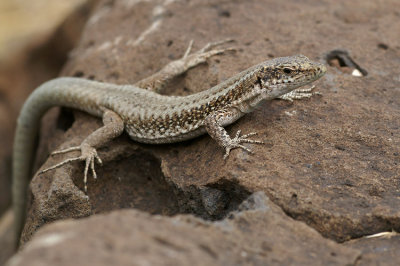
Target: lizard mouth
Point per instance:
(321, 70)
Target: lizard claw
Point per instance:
(191, 60)
(209, 46)
(237, 140)
(88, 155)
(299, 94)
(75, 148)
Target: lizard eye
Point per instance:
(287, 70)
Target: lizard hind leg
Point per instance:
(112, 128)
(88, 154)
(158, 81)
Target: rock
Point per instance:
(379, 250)
(6, 236)
(258, 233)
(331, 161)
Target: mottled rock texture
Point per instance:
(259, 233)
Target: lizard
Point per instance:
(149, 117)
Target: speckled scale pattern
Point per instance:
(153, 118)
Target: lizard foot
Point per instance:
(88, 154)
(299, 94)
(192, 60)
(235, 142)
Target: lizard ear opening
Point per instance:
(287, 70)
(262, 81)
(259, 80)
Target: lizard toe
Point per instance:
(237, 141)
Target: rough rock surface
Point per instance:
(379, 250)
(259, 233)
(330, 161)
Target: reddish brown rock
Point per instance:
(259, 233)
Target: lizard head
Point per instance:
(282, 75)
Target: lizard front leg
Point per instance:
(158, 81)
(214, 126)
(299, 94)
(113, 127)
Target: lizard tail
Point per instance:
(64, 91)
(23, 151)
